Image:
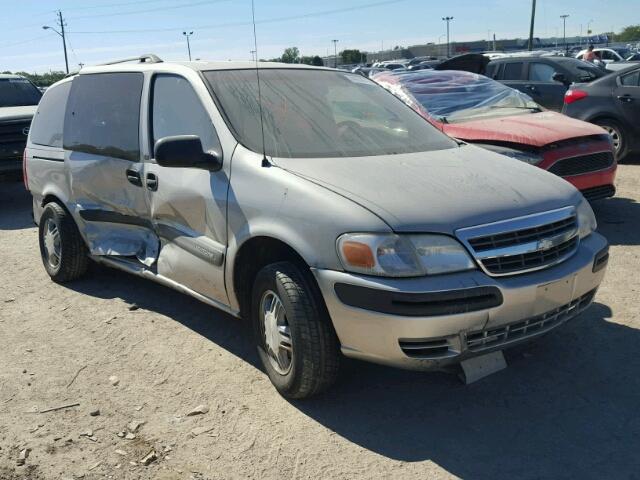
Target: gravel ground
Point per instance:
(567, 406)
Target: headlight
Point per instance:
(586, 219)
(527, 157)
(391, 255)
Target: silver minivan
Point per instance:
(312, 203)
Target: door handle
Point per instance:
(134, 177)
(625, 98)
(531, 88)
(152, 182)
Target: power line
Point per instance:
(240, 24)
(148, 10)
(119, 4)
(26, 41)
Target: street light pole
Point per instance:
(564, 32)
(448, 19)
(335, 53)
(188, 44)
(64, 40)
(533, 17)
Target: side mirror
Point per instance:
(185, 151)
(559, 77)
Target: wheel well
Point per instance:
(52, 198)
(253, 255)
(607, 117)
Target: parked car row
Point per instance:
(321, 209)
(481, 111)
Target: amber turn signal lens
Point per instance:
(358, 254)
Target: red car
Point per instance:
(481, 111)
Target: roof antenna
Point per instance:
(265, 162)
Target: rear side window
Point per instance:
(46, 127)
(491, 70)
(541, 72)
(512, 71)
(177, 110)
(103, 115)
(631, 79)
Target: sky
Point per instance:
(102, 30)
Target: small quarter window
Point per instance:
(47, 124)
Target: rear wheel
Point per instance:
(62, 249)
(295, 339)
(618, 137)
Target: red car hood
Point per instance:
(536, 129)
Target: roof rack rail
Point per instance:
(146, 58)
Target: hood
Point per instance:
(438, 191)
(17, 113)
(535, 129)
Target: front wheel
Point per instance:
(62, 249)
(295, 339)
(618, 137)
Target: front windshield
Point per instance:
(18, 92)
(453, 96)
(319, 113)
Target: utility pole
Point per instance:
(61, 24)
(335, 53)
(564, 32)
(448, 19)
(64, 40)
(533, 18)
(253, 55)
(188, 34)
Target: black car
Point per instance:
(613, 102)
(18, 100)
(544, 79)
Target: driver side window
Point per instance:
(177, 110)
(541, 72)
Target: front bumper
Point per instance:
(530, 304)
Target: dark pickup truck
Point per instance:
(18, 100)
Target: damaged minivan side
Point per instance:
(329, 215)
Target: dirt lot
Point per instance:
(567, 407)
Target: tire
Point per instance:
(64, 258)
(312, 363)
(618, 136)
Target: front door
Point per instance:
(188, 205)
(543, 88)
(627, 99)
(102, 150)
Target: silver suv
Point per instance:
(312, 203)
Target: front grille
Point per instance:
(515, 263)
(13, 138)
(428, 349)
(523, 329)
(598, 193)
(582, 164)
(523, 244)
(14, 131)
(519, 237)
